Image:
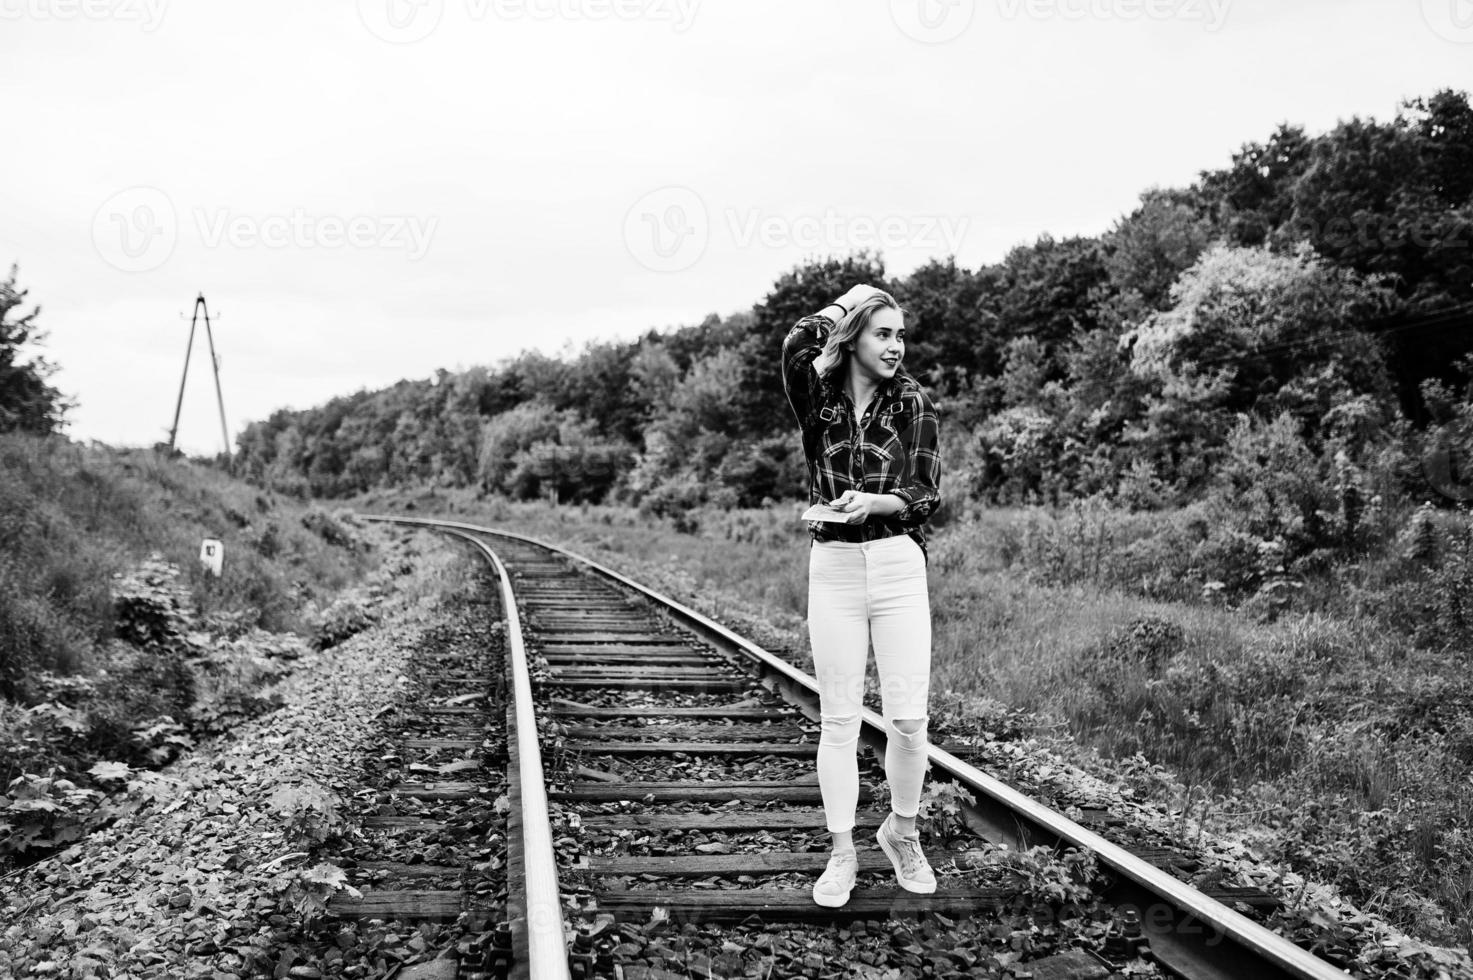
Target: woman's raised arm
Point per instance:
(803, 343)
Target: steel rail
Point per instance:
(1231, 947)
(547, 946)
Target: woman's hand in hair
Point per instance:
(858, 294)
(862, 506)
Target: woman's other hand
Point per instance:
(861, 506)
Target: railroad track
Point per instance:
(632, 718)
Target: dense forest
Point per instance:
(1312, 299)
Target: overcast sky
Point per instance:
(367, 191)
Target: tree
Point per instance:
(1253, 332)
(1443, 125)
(599, 384)
(1146, 251)
(27, 402)
(951, 335)
(581, 465)
(1396, 198)
(1380, 198)
(510, 433)
(653, 374)
(1251, 198)
(1047, 291)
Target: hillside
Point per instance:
(116, 644)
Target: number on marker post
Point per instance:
(212, 555)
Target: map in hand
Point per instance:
(823, 512)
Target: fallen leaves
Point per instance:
(108, 771)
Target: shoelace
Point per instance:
(911, 857)
(838, 868)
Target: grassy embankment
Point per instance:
(109, 654)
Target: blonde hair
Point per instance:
(834, 358)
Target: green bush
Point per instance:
(41, 813)
(1424, 586)
(309, 812)
(346, 617)
(329, 530)
(35, 636)
(677, 498)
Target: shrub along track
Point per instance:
(665, 819)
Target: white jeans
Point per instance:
(858, 592)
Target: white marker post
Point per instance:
(212, 555)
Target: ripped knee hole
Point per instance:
(908, 726)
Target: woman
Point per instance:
(870, 434)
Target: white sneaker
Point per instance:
(833, 886)
(912, 869)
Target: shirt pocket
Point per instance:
(887, 446)
(834, 465)
(880, 465)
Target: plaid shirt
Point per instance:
(894, 448)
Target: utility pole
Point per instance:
(199, 304)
